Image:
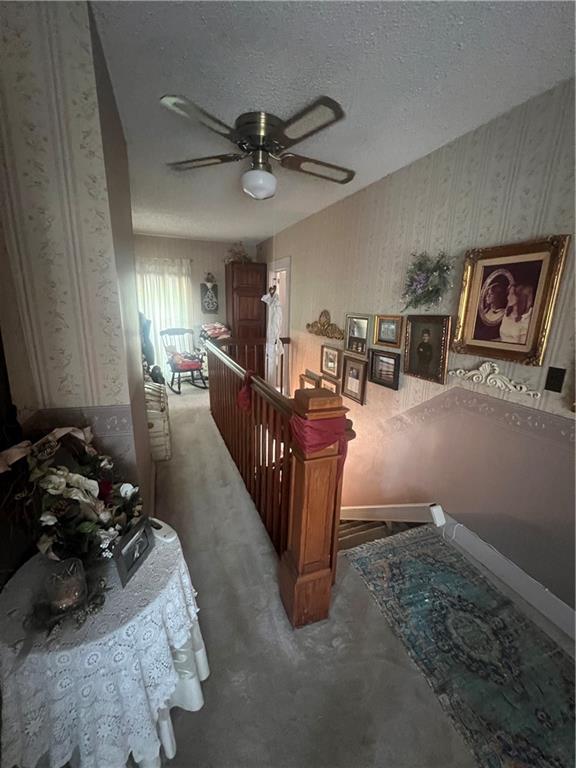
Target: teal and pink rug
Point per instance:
(507, 687)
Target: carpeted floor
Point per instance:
(507, 687)
(339, 694)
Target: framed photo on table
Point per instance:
(384, 368)
(356, 334)
(132, 549)
(507, 299)
(388, 330)
(426, 347)
(331, 361)
(354, 379)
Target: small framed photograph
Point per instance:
(309, 382)
(388, 330)
(354, 379)
(508, 298)
(384, 368)
(356, 334)
(313, 375)
(426, 347)
(330, 384)
(132, 549)
(331, 361)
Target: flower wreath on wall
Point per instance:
(427, 280)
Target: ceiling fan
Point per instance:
(263, 137)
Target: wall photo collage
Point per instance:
(425, 339)
(506, 306)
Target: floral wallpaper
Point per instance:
(58, 231)
(510, 180)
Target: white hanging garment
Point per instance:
(274, 347)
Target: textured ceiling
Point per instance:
(411, 77)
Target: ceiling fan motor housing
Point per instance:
(258, 131)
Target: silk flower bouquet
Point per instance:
(80, 505)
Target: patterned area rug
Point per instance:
(507, 687)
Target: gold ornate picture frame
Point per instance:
(388, 330)
(507, 299)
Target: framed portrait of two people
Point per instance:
(508, 298)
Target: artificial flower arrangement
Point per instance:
(427, 279)
(79, 505)
(71, 502)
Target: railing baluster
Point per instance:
(286, 484)
(258, 446)
(269, 471)
(264, 469)
(296, 494)
(276, 482)
(240, 417)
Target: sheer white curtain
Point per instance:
(164, 296)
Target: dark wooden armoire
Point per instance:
(245, 312)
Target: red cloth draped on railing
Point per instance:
(315, 435)
(244, 397)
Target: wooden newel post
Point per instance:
(305, 573)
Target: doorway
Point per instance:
(279, 275)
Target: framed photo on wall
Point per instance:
(309, 381)
(426, 347)
(330, 384)
(354, 379)
(384, 368)
(507, 299)
(209, 298)
(331, 361)
(388, 330)
(356, 334)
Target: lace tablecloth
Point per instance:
(97, 690)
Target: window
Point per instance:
(164, 297)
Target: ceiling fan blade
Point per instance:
(202, 162)
(186, 108)
(315, 117)
(316, 168)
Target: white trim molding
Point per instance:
(397, 513)
(489, 374)
(533, 592)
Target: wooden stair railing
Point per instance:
(296, 494)
(250, 354)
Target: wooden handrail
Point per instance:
(296, 494)
(256, 342)
(280, 401)
(214, 348)
(249, 355)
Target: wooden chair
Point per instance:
(183, 357)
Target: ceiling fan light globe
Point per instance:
(259, 184)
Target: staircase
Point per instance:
(351, 533)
